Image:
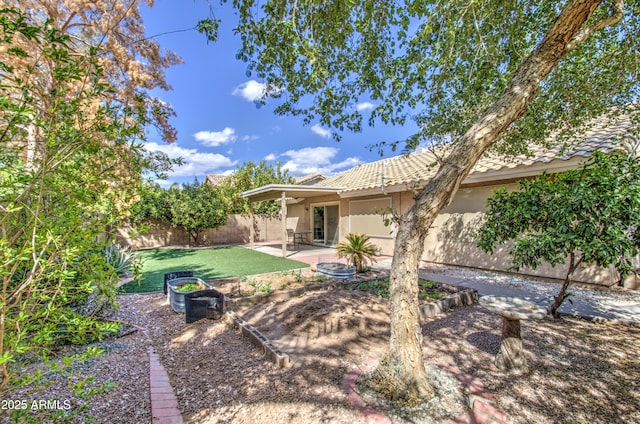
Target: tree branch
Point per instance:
(615, 17)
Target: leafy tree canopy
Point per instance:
(439, 63)
(251, 175)
(129, 61)
(196, 206)
(72, 114)
(588, 215)
(152, 202)
(482, 74)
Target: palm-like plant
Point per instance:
(358, 250)
(122, 259)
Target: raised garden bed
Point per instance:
(282, 287)
(428, 290)
(176, 295)
(281, 281)
(275, 287)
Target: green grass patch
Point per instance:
(428, 289)
(208, 264)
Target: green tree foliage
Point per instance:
(441, 64)
(251, 175)
(479, 74)
(152, 203)
(195, 207)
(580, 216)
(69, 166)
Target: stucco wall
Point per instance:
(452, 241)
(235, 231)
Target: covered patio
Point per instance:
(306, 253)
(302, 235)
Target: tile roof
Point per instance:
(215, 179)
(416, 168)
(310, 179)
(404, 169)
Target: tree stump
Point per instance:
(511, 356)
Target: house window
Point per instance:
(365, 217)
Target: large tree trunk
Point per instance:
(404, 360)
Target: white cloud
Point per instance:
(163, 183)
(270, 156)
(312, 160)
(195, 163)
(312, 155)
(321, 131)
(364, 106)
(250, 137)
(216, 138)
(251, 91)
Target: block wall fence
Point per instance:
(236, 231)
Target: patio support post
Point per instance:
(252, 224)
(283, 211)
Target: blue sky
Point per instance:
(219, 126)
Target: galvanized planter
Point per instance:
(336, 269)
(176, 298)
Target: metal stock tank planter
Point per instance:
(203, 304)
(176, 297)
(172, 276)
(336, 269)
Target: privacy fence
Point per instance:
(236, 231)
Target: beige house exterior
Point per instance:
(354, 201)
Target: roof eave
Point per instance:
(274, 191)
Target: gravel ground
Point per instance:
(582, 372)
(612, 303)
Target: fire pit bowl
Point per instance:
(336, 269)
(176, 297)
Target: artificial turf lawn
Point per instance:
(207, 264)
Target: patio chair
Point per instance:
(291, 237)
(176, 274)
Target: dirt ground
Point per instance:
(582, 372)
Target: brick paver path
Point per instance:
(164, 406)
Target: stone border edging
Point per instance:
(480, 401)
(465, 297)
(280, 358)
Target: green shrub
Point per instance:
(358, 250)
(122, 259)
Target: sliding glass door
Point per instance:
(326, 223)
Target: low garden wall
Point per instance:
(236, 231)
